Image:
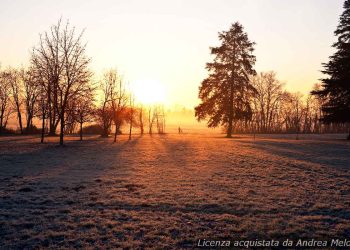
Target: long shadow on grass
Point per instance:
(335, 155)
(177, 150)
(50, 166)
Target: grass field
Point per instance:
(169, 191)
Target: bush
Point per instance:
(93, 129)
(7, 131)
(32, 130)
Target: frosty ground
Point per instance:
(172, 190)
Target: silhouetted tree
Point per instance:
(31, 91)
(159, 114)
(226, 93)
(42, 108)
(47, 60)
(119, 99)
(131, 114)
(267, 100)
(61, 58)
(336, 88)
(5, 102)
(141, 118)
(114, 103)
(104, 112)
(84, 109)
(318, 102)
(16, 91)
(150, 119)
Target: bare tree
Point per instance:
(85, 109)
(151, 119)
(5, 103)
(30, 95)
(267, 100)
(104, 112)
(159, 114)
(42, 109)
(141, 118)
(71, 119)
(16, 91)
(131, 114)
(114, 103)
(61, 55)
(119, 101)
(47, 59)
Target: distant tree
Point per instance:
(150, 119)
(140, 112)
(5, 100)
(17, 91)
(297, 111)
(71, 117)
(159, 114)
(42, 109)
(131, 114)
(31, 91)
(336, 87)
(318, 102)
(226, 93)
(114, 103)
(118, 99)
(84, 109)
(104, 111)
(267, 100)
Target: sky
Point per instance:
(166, 43)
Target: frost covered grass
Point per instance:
(169, 191)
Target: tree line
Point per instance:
(276, 110)
(58, 89)
(235, 97)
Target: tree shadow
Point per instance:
(332, 153)
(51, 164)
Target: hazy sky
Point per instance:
(168, 41)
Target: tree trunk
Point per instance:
(62, 129)
(81, 131)
(229, 129)
(115, 133)
(51, 115)
(43, 129)
(130, 129)
(29, 124)
(53, 127)
(230, 106)
(20, 120)
(1, 121)
(230, 115)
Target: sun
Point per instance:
(149, 92)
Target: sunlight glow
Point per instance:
(149, 92)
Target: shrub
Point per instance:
(32, 130)
(7, 131)
(93, 129)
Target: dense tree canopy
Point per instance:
(336, 87)
(226, 93)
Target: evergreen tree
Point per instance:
(336, 87)
(227, 91)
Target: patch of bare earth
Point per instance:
(169, 191)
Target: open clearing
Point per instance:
(169, 191)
